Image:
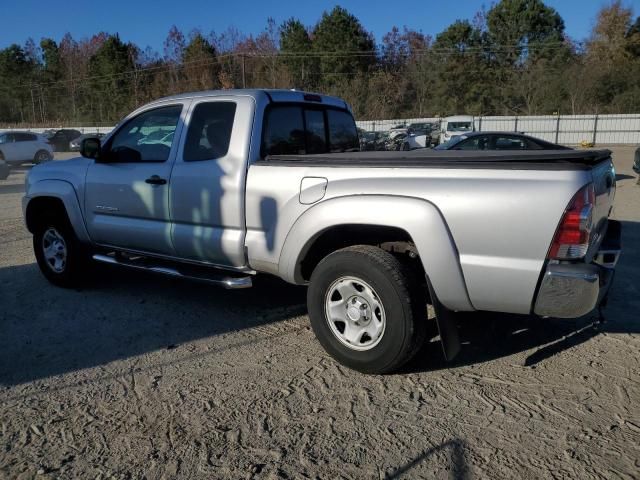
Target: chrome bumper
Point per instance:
(573, 290)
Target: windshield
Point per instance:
(451, 143)
(459, 127)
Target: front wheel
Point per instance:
(364, 309)
(62, 259)
(41, 156)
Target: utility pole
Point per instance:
(42, 105)
(33, 105)
(244, 81)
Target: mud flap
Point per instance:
(447, 327)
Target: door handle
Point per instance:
(156, 180)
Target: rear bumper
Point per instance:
(573, 290)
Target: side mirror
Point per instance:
(90, 148)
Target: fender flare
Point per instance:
(65, 192)
(419, 218)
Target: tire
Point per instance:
(396, 324)
(41, 156)
(69, 268)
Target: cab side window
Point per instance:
(209, 131)
(147, 137)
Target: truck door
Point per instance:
(207, 191)
(127, 188)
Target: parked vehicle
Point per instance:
(418, 136)
(62, 138)
(456, 125)
(435, 133)
(271, 181)
(22, 147)
(398, 130)
(373, 141)
(498, 141)
(636, 163)
(394, 143)
(74, 145)
(4, 170)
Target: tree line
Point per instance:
(512, 59)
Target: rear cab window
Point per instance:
(303, 129)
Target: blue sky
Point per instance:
(146, 22)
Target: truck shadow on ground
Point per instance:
(623, 176)
(49, 331)
(485, 337)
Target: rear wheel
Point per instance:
(62, 259)
(41, 156)
(364, 311)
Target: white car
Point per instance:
(24, 147)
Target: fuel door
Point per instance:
(312, 189)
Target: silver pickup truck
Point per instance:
(219, 186)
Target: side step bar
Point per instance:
(201, 276)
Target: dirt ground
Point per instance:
(138, 376)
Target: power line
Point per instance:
(494, 49)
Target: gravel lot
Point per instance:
(138, 376)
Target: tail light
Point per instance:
(571, 240)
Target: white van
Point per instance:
(453, 126)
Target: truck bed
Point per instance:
(425, 158)
(500, 208)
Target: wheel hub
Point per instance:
(358, 310)
(55, 250)
(355, 313)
